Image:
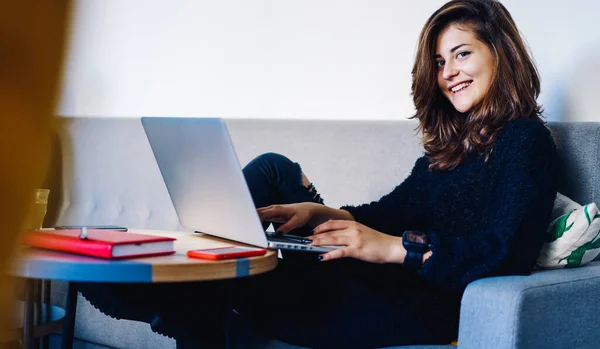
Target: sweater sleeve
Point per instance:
(515, 217)
(392, 212)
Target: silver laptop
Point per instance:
(205, 182)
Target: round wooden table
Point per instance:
(34, 263)
(41, 264)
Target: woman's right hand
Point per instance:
(292, 215)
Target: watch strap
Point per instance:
(413, 260)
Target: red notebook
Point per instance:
(109, 244)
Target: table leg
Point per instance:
(46, 285)
(28, 314)
(39, 304)
(69, 322)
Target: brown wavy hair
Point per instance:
(449, 137)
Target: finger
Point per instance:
(261, 212)
(272, 213)
(277, 220)
(336, 254)
(265, 209)
(270, 207)
(289, 225)
(260, 209)
(328, 235)
(331, 239)
(331, 225)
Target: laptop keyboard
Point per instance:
(289, 239)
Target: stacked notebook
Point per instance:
(101, 243)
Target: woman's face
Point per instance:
(465, 67)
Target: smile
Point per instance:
(460, 87)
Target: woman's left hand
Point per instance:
(361, 242)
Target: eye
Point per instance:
(463, 54)
(440, 64)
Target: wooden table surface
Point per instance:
(43, 264)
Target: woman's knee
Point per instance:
(274, 163)
(273, 159)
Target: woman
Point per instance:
(475, 205)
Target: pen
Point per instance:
(83, 234)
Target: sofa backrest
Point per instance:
(103, 170)
(579, 150)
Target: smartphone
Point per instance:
(227, 252)
(104, 227)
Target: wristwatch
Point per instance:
(416, 244)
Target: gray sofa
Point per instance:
(103, 172)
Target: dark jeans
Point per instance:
(337, 304)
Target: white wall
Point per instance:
(296, 58)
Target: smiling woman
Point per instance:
(484, 75)
(464, 212)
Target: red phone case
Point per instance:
(228, 252)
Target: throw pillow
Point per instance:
(573, 236)
(562, 205)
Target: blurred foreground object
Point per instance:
(32, 44)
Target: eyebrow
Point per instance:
(452, 50)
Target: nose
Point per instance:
(450, 71)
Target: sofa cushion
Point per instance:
(243, 335)
(572, 237)
(562, 205)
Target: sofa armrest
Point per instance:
(548, 309)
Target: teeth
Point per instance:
(461, 86)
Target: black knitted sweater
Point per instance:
(483, 219)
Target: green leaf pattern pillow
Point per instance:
(573, 237)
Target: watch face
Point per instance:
(416, 237)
